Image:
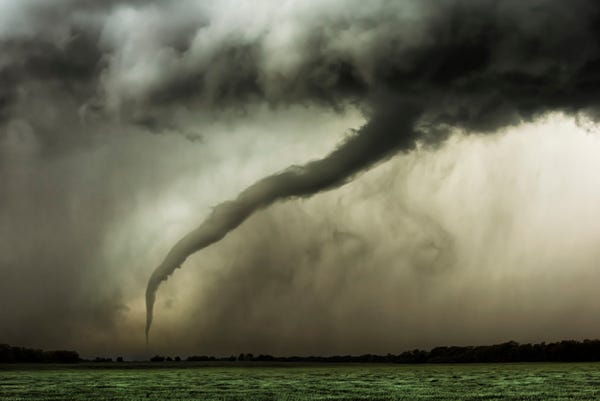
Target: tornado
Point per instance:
(388, 131)
(419, 70)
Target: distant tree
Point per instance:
(177, 359)
(119, 359)
(199, 358)
(157, 358)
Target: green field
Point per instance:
(543, 381)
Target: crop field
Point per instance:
(543, 381)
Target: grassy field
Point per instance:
(551, 381)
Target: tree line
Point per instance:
(10, 354)
(563, 351)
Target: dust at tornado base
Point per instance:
(534, 381)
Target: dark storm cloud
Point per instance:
(478, 64)
(69, 69)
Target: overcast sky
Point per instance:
(443, 186)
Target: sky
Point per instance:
(315, 177)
